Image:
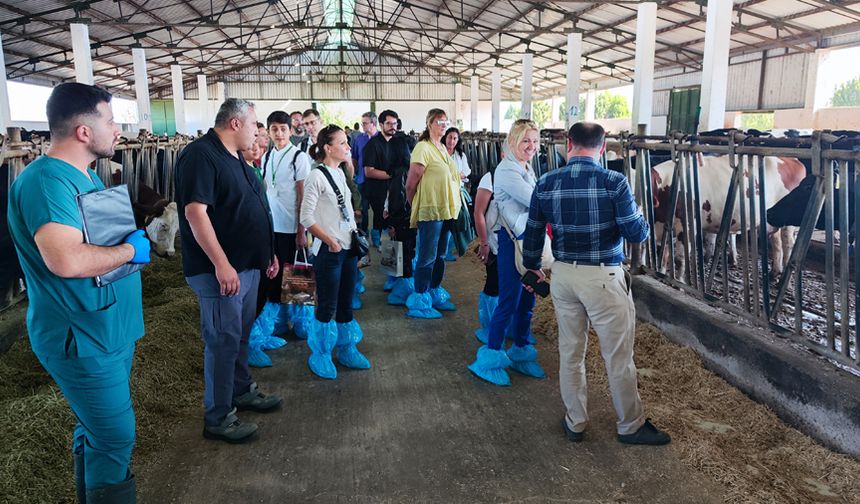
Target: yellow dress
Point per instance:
(438, 194)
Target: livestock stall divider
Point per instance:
(767, 281)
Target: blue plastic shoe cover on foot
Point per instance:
(359, 283)
(400, 291)
(321, 341)
(389, 283)
(301, 316)
(524, 360)
(420, 305)
(376, 237)
(441, 299)
(258, 358)
(490, 366)
(356, 302)
(348, 336)
(486, 306)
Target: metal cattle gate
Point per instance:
(816, 310)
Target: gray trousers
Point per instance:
(225, 324)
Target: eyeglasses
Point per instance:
(392, 124)
(443, 122)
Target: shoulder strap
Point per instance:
(340, 201)
(265, 162)
(293, 164)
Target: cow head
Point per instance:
(162, 231)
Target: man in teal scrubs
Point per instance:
(82, 334)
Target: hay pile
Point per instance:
(716, 429)
(36, 423)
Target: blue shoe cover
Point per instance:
(420, 305)
(356, 302)
(490, 366)
(486, 307)
(348, 336)
(301, 316)
(359, 283)
(258, 358)
(389, 283)
(450, 257)
(282, 320)
(441, 299)
(321, 341)
(376, 237)
(400, 291)
(524, 360)
(273, 342)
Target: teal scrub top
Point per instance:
(67, 317)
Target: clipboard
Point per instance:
(108, 217)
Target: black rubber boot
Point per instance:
(121, 493)
(80, 482)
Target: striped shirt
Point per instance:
(589, 209)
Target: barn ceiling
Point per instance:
(353, 40)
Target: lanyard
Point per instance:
(277, 164)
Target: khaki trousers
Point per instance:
(598, 294)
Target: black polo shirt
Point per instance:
(386, 155)
(236, 204)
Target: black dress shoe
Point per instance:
(573, 436)
(646, 435)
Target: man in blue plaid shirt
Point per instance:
(590, 210)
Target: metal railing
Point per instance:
(815, 308)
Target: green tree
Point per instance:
(847, 95)
(332, 114)
(541, 113)
(513, 112)
(611, 106)
(562, 109)
(759, 120)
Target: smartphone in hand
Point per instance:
(540, 288)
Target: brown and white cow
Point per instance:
(781, 176)
(157, 215)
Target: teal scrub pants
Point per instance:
(97, 389)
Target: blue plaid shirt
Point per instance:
(589, 208)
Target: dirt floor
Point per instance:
(418, 427)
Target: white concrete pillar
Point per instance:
(458, 102)
(715, 68)
(590, 105)
(574, 78)
(220, 93)
(5, 113)
(473, 100)
(528, 70)
(554, 105)
(141, 89)
(643, 80)
(497, 99)
(81, 51)
(178, 98)
(203, 100)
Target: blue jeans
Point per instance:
(432, 247)
(336, 276)
(98, 393)
(515, 302)
(225, 325)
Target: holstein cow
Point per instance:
(157, 215)
(781, 176)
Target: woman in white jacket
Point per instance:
(330, 219)
(513, 184)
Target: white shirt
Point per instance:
(513, 185)
(281, 178)
(492, 215)
(319, 206)
(462, 165)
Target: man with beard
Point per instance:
(82, 334)
(299, 138)
(227, 239)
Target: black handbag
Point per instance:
(359, 246)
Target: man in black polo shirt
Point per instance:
(386, 163)
(227, 239)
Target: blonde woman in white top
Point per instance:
(331, 221)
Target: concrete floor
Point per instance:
(418, 427)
